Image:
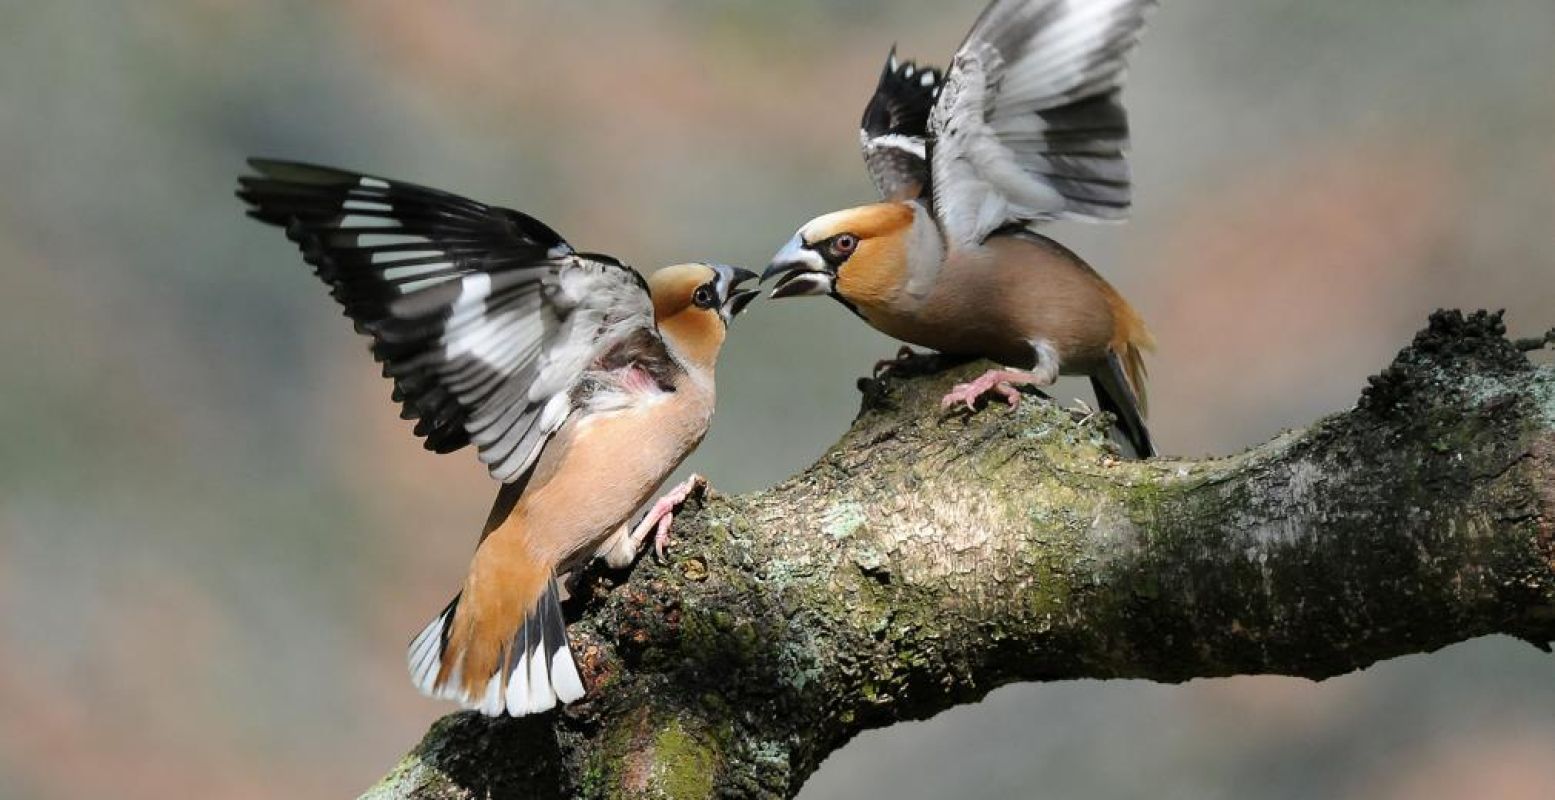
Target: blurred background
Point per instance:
(216, 536)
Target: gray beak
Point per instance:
(800, 271)
(799, 283)
(739, 300)
(735, 299)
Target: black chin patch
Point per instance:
(849, 306)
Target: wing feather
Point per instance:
(1030, 125)
(894, 131)
(484, 317)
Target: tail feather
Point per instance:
(1120, 383)
(1134, 365)
(1130, 341)
(565, 679)
(1116, 396)
(540, 667)
(426, 650)
(535, 672)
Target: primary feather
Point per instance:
(484, 317)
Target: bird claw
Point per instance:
(884, 366)
(662, 515)
(996, 381)
(969, 393)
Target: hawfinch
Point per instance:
(1025, 127)
(580, 384)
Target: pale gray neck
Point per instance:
(925, 251)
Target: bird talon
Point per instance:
(960, 393)
(884, 366)
(661, 536)
(662, 515)
(995, 381)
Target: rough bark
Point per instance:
(929, 558)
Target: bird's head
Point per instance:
(858, 255)
(693, 304)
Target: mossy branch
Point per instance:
(927, 559)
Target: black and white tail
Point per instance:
(534, 674)
(1115, 395)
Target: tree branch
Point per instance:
(926, 560)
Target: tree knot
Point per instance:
(1451, 347)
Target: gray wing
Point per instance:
(485, 318)
(1030, 126)
(894, 131)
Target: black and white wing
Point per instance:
(894, 131)
(1030, 126)
(484, 317)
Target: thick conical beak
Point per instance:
(739, 300)
(735, 299)
(802, 282)
(799, 270)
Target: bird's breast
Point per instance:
(606, 466)
(996, 301)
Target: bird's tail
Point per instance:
(492, 667)
(1114, 396)
(1120, 385)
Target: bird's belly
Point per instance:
(967, 334)
(612, 465)
(1003, 313)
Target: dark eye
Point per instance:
(844, 244)
(703, 297)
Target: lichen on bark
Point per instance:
(927, 559)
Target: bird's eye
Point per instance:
(844, 244)
(703, 297)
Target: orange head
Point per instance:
(858, 255)
(693, 303)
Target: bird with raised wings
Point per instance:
(581, 385)
(1027, 126)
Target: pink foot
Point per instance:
(886, 365)
(1000, 381)
(662, 515)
